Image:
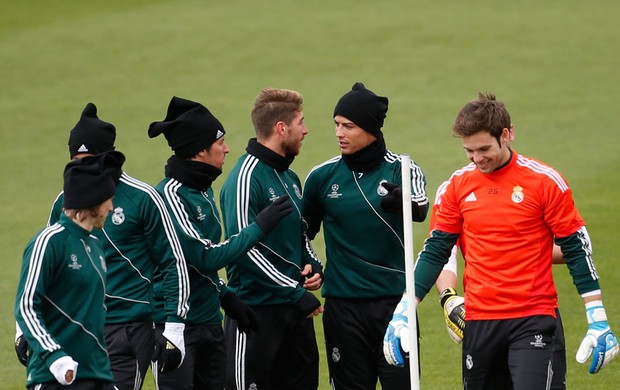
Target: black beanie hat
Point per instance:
(362, 107)
(91, 180)
(189, 127)
(91, 134)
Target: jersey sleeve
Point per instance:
(203, 254)
(568, 227)
(313, 211)
(560, 212)
(431, 260)
(448, 217)
(418, 185)
(451, 265)
(165, 248)
(39, 262)
(577, 251)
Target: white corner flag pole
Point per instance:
(409, 277)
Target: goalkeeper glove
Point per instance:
(64, 370)
(396, 338)
(599, 338)
(169, 347)
(453, 313)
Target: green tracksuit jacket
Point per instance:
(60, 302)
(363, 244)
(197, 219)
(269, 273)
(139, 238)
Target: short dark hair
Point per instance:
(485, 113)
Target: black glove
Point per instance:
(268, 218)
(307, 304)
(169, 347)
(239, 311)
(393, 201)
(21, 349)
(316, 269)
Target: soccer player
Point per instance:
(197, 139)
(60, 295)
(453, 306)
(273, 277)
(507, 210)
(357, 198)
(138, 238)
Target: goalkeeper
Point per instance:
(507, 210)
(453, 305)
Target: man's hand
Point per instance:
(21, 346)
(64, 370)
(169, 347)
(454, 313)
(239, 311)
(599, 339)
(396, 338)
(393, 201)
(270, 216)
(313, 273)
(308, 305)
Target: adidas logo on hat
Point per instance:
(83, 149)
(219, 134)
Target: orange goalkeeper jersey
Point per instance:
(507, 220)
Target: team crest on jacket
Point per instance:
(118, 216)
(381, 190)
(517, 194)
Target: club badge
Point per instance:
(469, 362)
(335, 355)
(381, 190)
(118, 217)
(517, 194)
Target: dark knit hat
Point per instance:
(362, 107)
(189, 127)
(91, 180)
(91, 134)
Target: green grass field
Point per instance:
(555, 64)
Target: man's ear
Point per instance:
(505, 137)
(281, 128)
